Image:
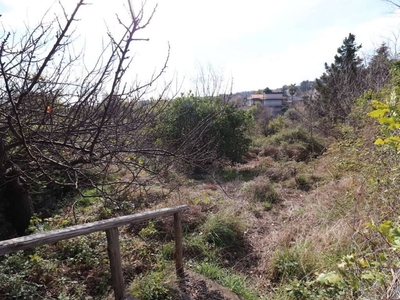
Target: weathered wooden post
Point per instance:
(178, 245)
(114, 255)
(111, 228)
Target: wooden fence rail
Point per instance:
(110, 226)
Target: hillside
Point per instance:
(263, 229)
(283, 199)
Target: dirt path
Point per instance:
(198, 287)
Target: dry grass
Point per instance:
(317, 226)
(313, 227)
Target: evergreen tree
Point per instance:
(341, 82)
(267, 90)
(306, 85)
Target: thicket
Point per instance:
(387, 110)
(262, 116)
(289, 139)
(205, 130)
(62, 132)
(368, 266)
(345, 80)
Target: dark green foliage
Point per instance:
(203, 130)
(222, 236)
(306, 85)
(287, 266)
(60, 268)
(267, 90)
(341, 84)
(292, 89)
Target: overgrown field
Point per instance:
(289, 223)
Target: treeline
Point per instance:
(348, 78)
(330, 98)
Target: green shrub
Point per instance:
(205, 129)
(303, 182)
(195, 246)
(38, 273)
(261, 190)
(286, 266)
(292, 114)
(153, 286)
(15, 277)
(267, 206)
(245, 174)
(168, 251)
(292, 263)
(234, 282)
(230, 174)
(149, 231)
(262, 116)
(296, 143)
(366, 272)
(276, 125)
(89, 197)
(224, 231)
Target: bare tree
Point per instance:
(395, 3)
(393, 45)
(263, 115)
(61, 129)
(210, 82)
(377, 73)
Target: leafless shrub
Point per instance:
(270, 150)
(70, 125)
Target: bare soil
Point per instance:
(198, 287)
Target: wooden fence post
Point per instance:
(111, 228)
(178, 245)
(114, 255)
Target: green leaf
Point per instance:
(379, 142)
(363, 263)
(330, 278)
(368, 275)
(386, 121)
(394, 138)
(379, 113)
(379, 104)
(384, 229)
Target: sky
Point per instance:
(254, 43)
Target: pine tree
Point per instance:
(341, 82)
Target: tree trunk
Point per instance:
(18, 201)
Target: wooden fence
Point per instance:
(110, 226)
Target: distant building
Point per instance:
(274, 100)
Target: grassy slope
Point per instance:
(316, 215)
